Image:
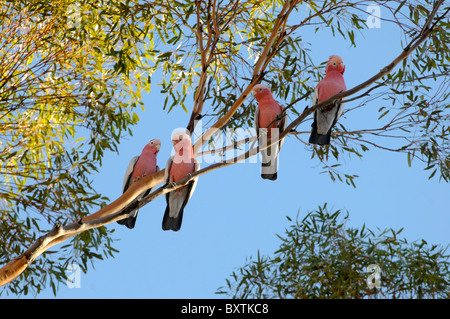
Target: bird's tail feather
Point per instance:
(132, 215)
(170, 223)
(265, 168)
(320, 139)
(130, 221)
(269, 166)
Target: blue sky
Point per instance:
(234, 213)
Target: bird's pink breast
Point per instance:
(178, 171)
(331, 85)
(268, 111)
(146, 165)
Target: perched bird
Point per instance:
(144, 164)
(268, 112)
(325, 118)
(178, 167)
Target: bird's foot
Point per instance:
(171, 184)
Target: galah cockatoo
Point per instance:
(178, 167)
(268, 112)
(144, 164)
(325, 118)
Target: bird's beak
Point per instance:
(174, 142)
(157, 146)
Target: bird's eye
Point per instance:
(334, 63)
(151, 142)
(180, 137)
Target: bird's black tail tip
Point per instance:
(269, 171)
(128, 222)
(272, 177)
(319, 139)
(171, 224)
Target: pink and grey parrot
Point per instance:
(325, 118)
(178, 167)
(267, 111)
(144, 164)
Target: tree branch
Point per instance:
(426, 31)
(258, 74)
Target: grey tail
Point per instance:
(132, 216)
(321, 139)
(271, 177)
(130, 221)
(170, 223)
(269, 165)
(316, 138)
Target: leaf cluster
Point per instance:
(320, 256)
(66, 98)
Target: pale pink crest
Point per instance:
(335, 63)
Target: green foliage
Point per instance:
(225, 39)
(320, 256)
(63, 104)
(414, 109)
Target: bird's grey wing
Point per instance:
(195, 180)
(283, 126)
(131, 220)
(128, 172)
(166, 172)
(256, 122)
